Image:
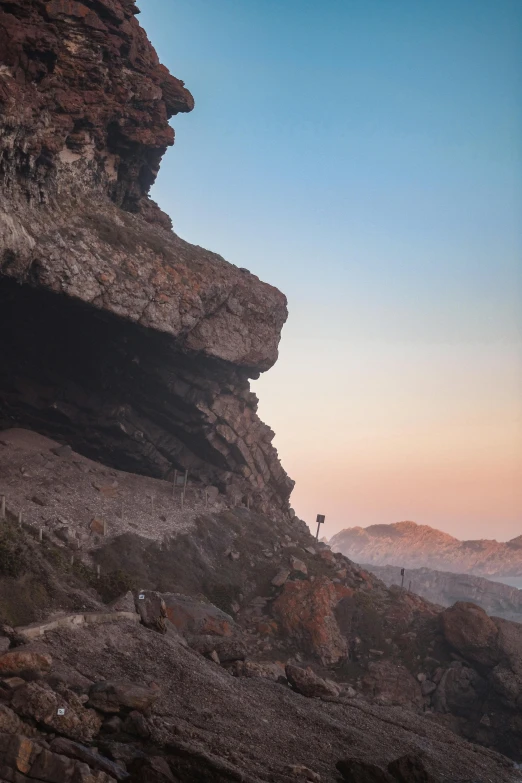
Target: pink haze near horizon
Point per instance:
(378, 432)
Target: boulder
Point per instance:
(24, 661)
(281, 577)
(507, 685)
(304, 610)
(298, 565)
(469, 630)
(152, 610)
(389, 683)
(114, 696)
(10, 723)
(306, 682)
(63, 713)
(461, 691)
(191, 616)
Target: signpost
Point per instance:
(320, 521)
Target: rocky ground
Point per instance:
(164, 707)
(292, 647)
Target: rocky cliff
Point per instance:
(129, 343)
(152, 632)
(409, 545)
(445, 588)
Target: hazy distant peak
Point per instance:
(411, 545)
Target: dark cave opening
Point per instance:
(114, 391)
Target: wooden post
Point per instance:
(248, 502)
(182, 498)
(98, 571)
(185, 481)
(2, 507)
(20, 518)
(409, 587)
(104, 528)
(402, 579)
(40, 534)
(175, 482)
(72, 560)
(320, 521)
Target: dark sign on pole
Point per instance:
(319, 520)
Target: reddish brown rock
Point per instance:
(20, 661)
(23, 760)
(196, 617)
(305, 612)
(471, 632)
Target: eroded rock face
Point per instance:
(305, 612)
(129, 343)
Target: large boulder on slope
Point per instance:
(469, 630)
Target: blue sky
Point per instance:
(365, 156)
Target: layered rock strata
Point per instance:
(130, 343)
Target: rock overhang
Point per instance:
(84, 109)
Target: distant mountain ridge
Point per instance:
(410, 545)
(445, 588)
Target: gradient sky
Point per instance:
(365, 156)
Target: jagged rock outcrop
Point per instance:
(127, 342)
(445, 588)
(408, 545)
